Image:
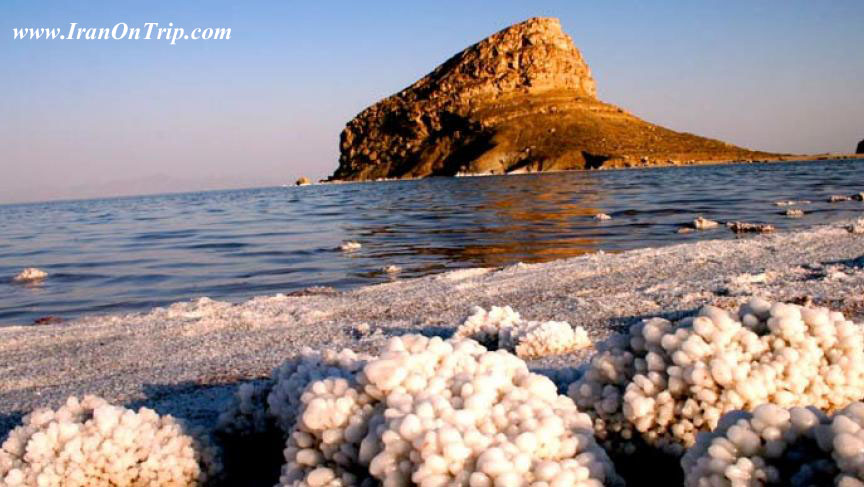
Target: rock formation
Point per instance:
(520, 100)
(860, 148)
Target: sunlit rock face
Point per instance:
(520, 100)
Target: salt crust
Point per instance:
(90, 443)
(503, 328)
(664, 382)
(797, 447)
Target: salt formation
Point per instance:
(30, 274)
(791, 202)
(703, 223)
(794, 213)
(392, 269)
(664, 382)
(350, 246)
(775, 446)
(744, 227)
(503, 328)
(836, 198)
(94, 444)
(430, 412)
(602, 217)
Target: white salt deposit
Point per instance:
(94, 444)
(794, 213)
(797, 447)
(503, 328)
(665, 382)
(350, 246)
(30, 274)
(602, 217)
(430, 412)
(392, 269)
(703, 223)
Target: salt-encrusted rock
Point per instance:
(94, 444)
(745, 227)
(836, 198)
(602, 217)
(858, 196)
(856, 227)
(521, 100)
(392, 269)
(794, 447)
(502, 328)
(350, 246)
(430, 412)
(30, 274)
(664, 382)
(794, 213)
(303, 181)
(703, 223)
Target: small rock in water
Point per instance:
(350, 246)
(858, 196)
(602, 217)
(794, 213)
(744, 227)
(392, 269)
(686, 230)
(836, 198)
(303, 181)
(703, 223)
(30, 274)
(48, 320)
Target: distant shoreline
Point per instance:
(730, 162)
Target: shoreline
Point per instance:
(187, 358)
(807, 158)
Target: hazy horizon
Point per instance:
(94, 118)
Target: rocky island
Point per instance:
(521, 100)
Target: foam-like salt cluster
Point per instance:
(258, 408)
(350, 246)
(798, 447)
(90, 443)
(30, 274)
(664, 382)
(430, 412)
(503, 328)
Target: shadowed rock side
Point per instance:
(860, 148)
(520, 100)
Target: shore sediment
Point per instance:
(187, 358)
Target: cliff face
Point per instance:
(520, 100)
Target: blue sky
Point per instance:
(86, 118)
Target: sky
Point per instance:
(87, 118)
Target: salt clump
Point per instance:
(794, 213)
(602, 217)
(836, 198)
(797, 447)
(503, 328)
(703, 223)
(94, 444)
(664, 382)
(350, 246)
(430, 412)
(30, 274)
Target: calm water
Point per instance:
(135, 253)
